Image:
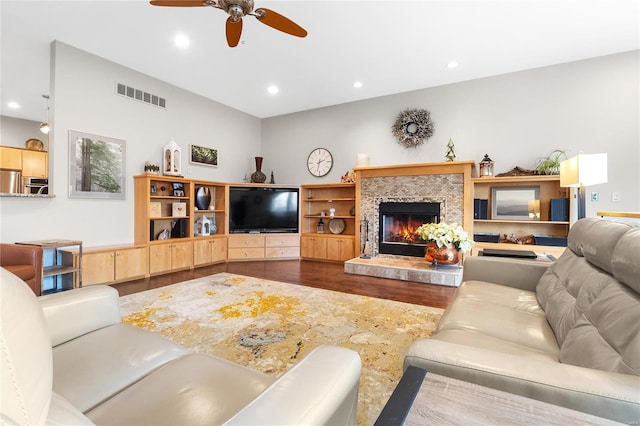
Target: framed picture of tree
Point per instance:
(96, 166)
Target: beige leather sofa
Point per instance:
(566, 332)
(67, 359)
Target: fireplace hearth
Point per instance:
(398, 222)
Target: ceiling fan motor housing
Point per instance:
(236, 8)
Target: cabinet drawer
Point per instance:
(283, 240)
(246, 253)
(283, 252)
(246, 241)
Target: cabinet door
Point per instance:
(202, 251)
(34, 163)
(313, 247)
(97, 268)
(10, 158)
(182, 255)
(340, 249)
(131, 263)
(218, 249)
(159, 258)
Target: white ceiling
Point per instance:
(390, 46)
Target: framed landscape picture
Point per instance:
(515, 203)
(203, 155)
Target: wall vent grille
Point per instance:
(140, 95)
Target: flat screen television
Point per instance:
(263, 210)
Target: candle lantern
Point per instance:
(486, 166)
(172, 157)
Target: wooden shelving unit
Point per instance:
(549, 187)
(318, 198)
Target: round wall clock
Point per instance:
(319, 162)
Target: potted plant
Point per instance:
(445, 242)
(551, 164)
(151, 168)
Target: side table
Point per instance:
(423, 398)
(56, 269)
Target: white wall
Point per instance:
(16, 131)
(590, 106)
(83, 98)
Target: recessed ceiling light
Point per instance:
(273, 90)
(452, 64)
(357, 84)
(182, 41)
(13, 105)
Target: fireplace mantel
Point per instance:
(417, 172)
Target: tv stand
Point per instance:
(263, 246)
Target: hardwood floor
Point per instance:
(329, 276)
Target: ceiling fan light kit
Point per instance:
(238, 9)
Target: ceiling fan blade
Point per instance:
(179, 3)
(234, 31)
(279, 22)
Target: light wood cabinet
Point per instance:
(170, 256)
(209, 250)
(32, 163)
(321, 198)
(542, 226)
(340, 249)
(282, 246)
(313, 247)
(263, 246)
(10, 158)
(103, 265)
(35, 164)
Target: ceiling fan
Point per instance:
(237, 9)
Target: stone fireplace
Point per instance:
(438, 191)
(398, 222)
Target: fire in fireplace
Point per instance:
(398, 223)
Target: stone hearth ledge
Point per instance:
(405, 269)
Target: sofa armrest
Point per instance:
(321, 389)
(601, 393)
(72, 313)
(517, 273)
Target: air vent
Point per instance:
(140, 95)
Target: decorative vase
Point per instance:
(445, 255)
(203, 198)
(214, 226)
(258, 176)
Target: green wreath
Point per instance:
(413, 127)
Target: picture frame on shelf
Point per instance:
(153, 189)
(178, 189)
(203, 155)
(515, 203)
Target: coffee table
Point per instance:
(423, 398)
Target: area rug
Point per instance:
(269, 326)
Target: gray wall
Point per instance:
(83, 98)
(16, 131)
(588, 106)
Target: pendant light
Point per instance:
(44, 127)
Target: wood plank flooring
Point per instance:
(329, 276)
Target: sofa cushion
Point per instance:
(93, 367)
(595, 317)
(196, 389)
(495, 316)
(624, 261)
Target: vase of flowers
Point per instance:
(445, 242)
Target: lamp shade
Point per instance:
(583, 170)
